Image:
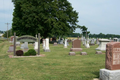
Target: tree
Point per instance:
(47, 17)
(9, 33)
(84, 30)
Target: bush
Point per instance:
(30, 52)
(26, 54)
(19, 53)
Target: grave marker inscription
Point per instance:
(113, 56)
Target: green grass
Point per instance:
(56, 65)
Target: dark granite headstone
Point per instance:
(112, 56)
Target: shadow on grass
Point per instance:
(96, 73)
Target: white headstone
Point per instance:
(18, 43)
(36, 45)
(65, 45)
(47, 45)
(43, 43)
(87, 44)
(102, 44)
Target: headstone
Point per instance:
(26, 45)
(43, 43)
(102, 44)
(11, 48)
(92, 42)
(98, 52)
(36, 46)
(22, 46)
(47, 49)
(83, 53)
(87, 44)
(65, 44)
(55, 44)
(112, 62)
(76, 45)
(17, 43)
(106, 74)
(71, 53)
(113, 56)
(61, 41)
(97, 41)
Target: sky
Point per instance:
(99, 16)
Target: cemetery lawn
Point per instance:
(55, 65)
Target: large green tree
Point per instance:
(47, 17)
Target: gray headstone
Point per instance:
(26, 45)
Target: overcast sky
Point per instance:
(99, 16)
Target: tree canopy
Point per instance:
(47, 17)
(84, 30)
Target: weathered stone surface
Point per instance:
(106, 74)
(55, 44)
(26, 45)
(76, 44)
(112, 56)
(98, 52)
(11, 49)
(83, 53)
(71, 53)
(102, 44)
(47, 49)
(76, 49)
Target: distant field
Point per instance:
(56, 65)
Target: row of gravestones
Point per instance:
(112, 60)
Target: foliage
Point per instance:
(74, 35)
(19, 52)
(84, 30)
(26, 54)
(47, 17)
(9, 33)
(101, 35)
(30, 52)
(2, 31)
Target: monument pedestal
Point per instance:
(46, 50)
(106, 74)
(76, 49)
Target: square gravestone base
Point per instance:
(76, 49)
(106, 74)
(46, 50)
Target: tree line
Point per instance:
(101, 35)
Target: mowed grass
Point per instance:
(55, 65)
